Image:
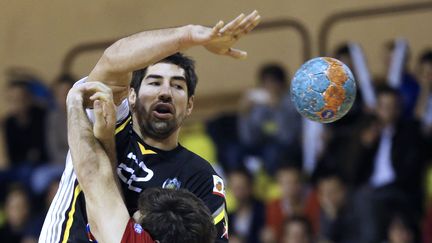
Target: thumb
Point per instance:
(237, 54)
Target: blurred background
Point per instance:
(365, 178)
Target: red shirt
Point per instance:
(134, 233)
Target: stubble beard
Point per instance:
(153, 127)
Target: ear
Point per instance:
(132, 98)
(190, 105)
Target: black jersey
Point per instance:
(140, 166)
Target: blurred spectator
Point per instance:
(297, 230)
(389, 164)
(57, 138)
(24, 127)
(401, 229)
(427, 226)
(424, 106)
(391, 153)
(269, 124)
(247, 220)
(409, 88)
(291, 203)
(17, 211)
(336, 217)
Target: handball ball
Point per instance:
(323, 89)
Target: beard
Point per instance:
(152, 127)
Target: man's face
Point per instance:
(162, 102)
(425, 72)
(290, 183)
(295, 232)
(387, 108)
(240, 187)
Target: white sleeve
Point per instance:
(122, 109)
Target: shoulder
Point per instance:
(195, 163)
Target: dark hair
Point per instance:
(385, 89)
(186, 63)
(426, 57)
(341, 50)
(175, 216)
(242, 171)
(274, 71)
(23, 84)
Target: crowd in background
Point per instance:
(366, 182)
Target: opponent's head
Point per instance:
(161, 95)
(175, 216)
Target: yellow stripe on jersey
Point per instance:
(219, 217)
(123, 125)
(144, 150)
(71, 214)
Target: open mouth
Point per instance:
(163, 111)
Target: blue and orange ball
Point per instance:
(323, 89)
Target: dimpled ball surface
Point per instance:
(323, 89)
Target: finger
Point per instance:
(95, 86)
(98, 113)
(250, 26)
(246, 22)
(109, 111)
(227, 29)
(237, 54)
(102, 96)
(216, 29)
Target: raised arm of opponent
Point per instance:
(140, 50)
(107, 213)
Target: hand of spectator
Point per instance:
(221, 37)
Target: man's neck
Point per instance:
(166, 144)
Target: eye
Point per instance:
(154, 83)
(179, 87)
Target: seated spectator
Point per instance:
(269, 124)
(427, 226)
(24, 128)
(337, 214)
(289, 179)
(247, 220)
(391, 153)
(401, 229)
(17, 212)
(297, 230)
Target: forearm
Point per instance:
(82, 144)
(138, 51)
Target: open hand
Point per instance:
(221, 38)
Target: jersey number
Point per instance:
(127, 174)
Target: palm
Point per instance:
(221, 38)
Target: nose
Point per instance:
(165, 94)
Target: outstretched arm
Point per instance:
(137, 51)
(106, 210)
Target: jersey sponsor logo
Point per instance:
(171, 183)
(138, 228)
(218, 186)
(128, 175)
